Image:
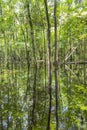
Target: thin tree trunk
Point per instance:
(31, 32)
(1, 117)
(84, 61)
(56, 60)
(49, 64)
(1, 81)
(45, 70)
(35, 66)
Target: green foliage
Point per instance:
(17, 65)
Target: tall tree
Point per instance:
(35, 65)
(56, 61)
(49, 63)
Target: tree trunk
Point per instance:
(49, 64)
(35, 66)
(56, 60)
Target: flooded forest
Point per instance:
(43, 64)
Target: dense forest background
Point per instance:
(43, 64)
